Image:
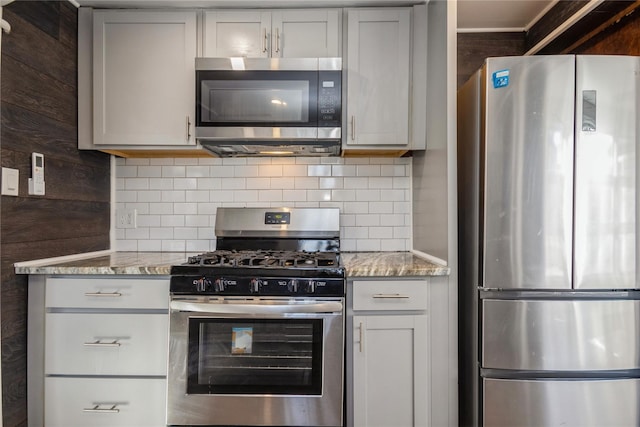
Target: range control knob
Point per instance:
(202, 284)
(255, 285)
(292, 286)
(219, 285)
(311, 286)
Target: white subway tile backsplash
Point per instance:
(258, 184)
(161, 183)
(177, 198)
(149, 171)
(173, 196)
(185, 183)
(270, 170)
(319, 170)
(136, 183)
(198, 171)
(174, 171)
(185, 208)
(197, 196)
(149, 245)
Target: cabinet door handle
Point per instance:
(392, 296)
(361, 337)
(353, 128)
(102, 294)
(111, 410)
(188, 128)
(264, 40)
(277, 40)
(98, 343)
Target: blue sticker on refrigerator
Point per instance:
(500, 79)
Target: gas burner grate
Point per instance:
(266, 259)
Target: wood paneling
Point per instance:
(38, 112)
(622, 38)
(555, 17)
(474, 48)
(607, 13)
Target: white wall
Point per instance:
(176, 198)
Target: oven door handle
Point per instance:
(224, 308)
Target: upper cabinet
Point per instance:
(304, 33)
(143, 78)
(378, 78)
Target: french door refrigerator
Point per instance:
(548, 237)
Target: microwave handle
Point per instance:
(222, 308)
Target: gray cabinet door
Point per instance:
(528, 172)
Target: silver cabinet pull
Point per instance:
(277, 40)
(264, 40)
(98, 343)
(353, 128)
(361, 337)
(188, 128)
(102, 294)
(392, 296)
(111, 410)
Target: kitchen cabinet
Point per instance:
(97, 350)
(143, 78)
(389, 357)
(378, 65)
(305, 33)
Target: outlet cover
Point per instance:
(126, 218)
(10, 179)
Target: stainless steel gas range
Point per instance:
(257, 326)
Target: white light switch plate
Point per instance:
(10, 179)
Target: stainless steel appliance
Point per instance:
(267, 107)
(548, 237)
(257, 326)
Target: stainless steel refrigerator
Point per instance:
(548, 236)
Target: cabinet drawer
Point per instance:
(96, 402)
(97, 292)
(390, 295)
(106, 344)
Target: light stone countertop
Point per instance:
(357, 264)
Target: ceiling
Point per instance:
(500, 15)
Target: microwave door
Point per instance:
(257, 99)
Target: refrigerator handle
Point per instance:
(589, 110)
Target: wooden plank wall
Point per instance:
(474, 48)
(38, 111)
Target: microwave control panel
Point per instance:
(329, 98)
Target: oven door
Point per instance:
(255, 361)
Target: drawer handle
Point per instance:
(392, 296)
(99, 343)
(102, 294)
(97, 408)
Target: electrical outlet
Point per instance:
(126, 218)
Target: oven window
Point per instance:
(255, 356)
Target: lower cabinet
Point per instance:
(97, 351)
(389, 356)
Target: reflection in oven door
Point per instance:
(259, 362)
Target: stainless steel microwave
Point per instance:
(266, 107)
